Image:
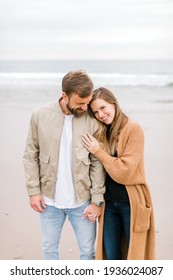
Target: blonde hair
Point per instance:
(108, 135)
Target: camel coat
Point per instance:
(128, 169)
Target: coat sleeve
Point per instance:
(124, 169)
(97, 176)
(31, 158)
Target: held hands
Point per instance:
(92, 211)
(90, 143)
(37, 203)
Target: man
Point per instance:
(62, 178)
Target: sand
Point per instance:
(20, 237)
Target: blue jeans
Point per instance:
(52, 221)
(116, 220)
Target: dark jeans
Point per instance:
(116, 220)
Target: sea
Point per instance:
(138, 84)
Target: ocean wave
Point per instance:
(99, 79)
(170, 84)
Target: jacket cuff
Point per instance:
(33, 191)
(97, 198)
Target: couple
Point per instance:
(88, 164)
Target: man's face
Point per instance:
(77, 105)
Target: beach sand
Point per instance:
(20, 236)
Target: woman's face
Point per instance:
(103, 111)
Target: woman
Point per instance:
(128, 230)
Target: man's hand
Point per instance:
(37, 203)
(92, 211)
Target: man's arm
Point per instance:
(97, 176)
(31, 167)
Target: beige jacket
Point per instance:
(42, 153)
(128, 169)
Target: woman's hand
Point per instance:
(92, 212)
(90, 143)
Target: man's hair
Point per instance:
(77, 82)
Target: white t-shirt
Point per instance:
(65, 193)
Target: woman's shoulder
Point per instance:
(132, 125)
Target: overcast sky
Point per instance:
(86, 29)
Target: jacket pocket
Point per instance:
(142, 219)
(44, 167)
(44, 158)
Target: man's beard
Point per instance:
(75, 112)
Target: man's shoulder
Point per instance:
(86, 122)
(90, 119)
(49, 106)
(53, 106)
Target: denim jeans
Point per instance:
(116, 220)
(52, 221)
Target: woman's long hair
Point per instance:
(108, 135)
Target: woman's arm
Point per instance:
(123, 167)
